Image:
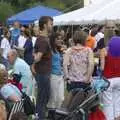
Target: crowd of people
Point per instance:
(56, 61)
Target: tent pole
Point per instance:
(72, 35)
(72, 32)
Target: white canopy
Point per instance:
(93, 13)
(108, 12)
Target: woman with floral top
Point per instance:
(78, 63)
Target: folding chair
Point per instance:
(17, 107)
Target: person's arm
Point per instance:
(3, 45)
(66, 63)
(33, 69)
(18, 48)
(1, 51)
(37, 56)
(40, 48)
(28, 45)
(94, 43)
(13, 98)
(90, 65)
(9, 93)
(103, 54)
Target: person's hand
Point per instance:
(67, 80)
(88, 80)
(33, 69)
(14, 46)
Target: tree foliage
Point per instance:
(72, 4)
(6, 10)
(14, 6)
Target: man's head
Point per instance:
(46, 23)
(101, 28)
(12, 55)
(16, 24)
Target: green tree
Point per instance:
(6, 10)
(15, 6)
(20, 4)
(55, 4)
(72, 4)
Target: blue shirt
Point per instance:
(15, 33)
(28, 52)
(10, 90)
(22, 68)
(57, 63)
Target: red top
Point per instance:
(112, 67)
(18, 85)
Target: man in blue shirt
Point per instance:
(15, 33)
(20, 67)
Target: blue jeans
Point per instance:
(43, 83)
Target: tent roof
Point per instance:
(88, 14)
(32, 14)
(109, 12)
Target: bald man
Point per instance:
(20, 67)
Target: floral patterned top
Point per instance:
(76, 63)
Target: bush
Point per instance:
(6, 10)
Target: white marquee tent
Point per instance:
(108, 12)
(93, 13)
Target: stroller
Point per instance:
(81, 107)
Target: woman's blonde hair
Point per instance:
(3, 75)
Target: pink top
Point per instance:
(77, 61)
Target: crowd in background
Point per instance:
(50, 58)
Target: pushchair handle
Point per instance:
(108, 82)
(100, 84)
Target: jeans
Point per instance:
(43, 84)
(76, 85)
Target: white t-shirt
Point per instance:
(5, 45)
(34, 40)
(21, 41)
(99, 36)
